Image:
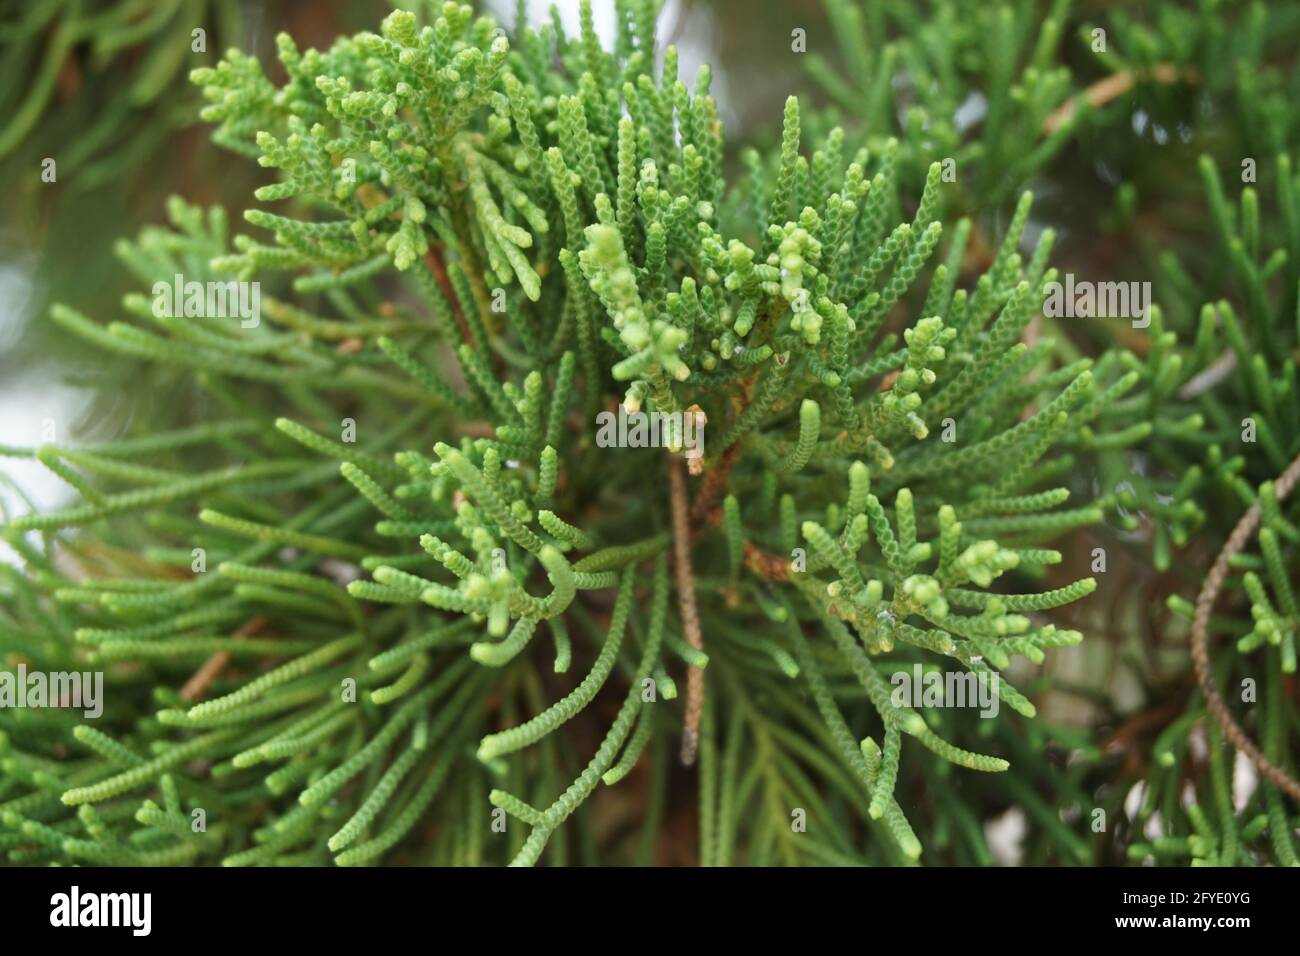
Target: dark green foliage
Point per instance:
(1185, 107)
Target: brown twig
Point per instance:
(439, 269)
(197, 685)
(763, 563)
(1114, 86)
(686, 602)
(1126, 738)
(1200, 638)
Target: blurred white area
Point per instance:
(689, 27)
(17, 291)
(35, 406)
(1005, 835)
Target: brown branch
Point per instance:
(688, 519)
(706, 499)
(197, 685)
(686, 602)
(1112, 87)
(765, 564)
(1201, 629)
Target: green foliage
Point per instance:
(374, 588)
(1232, 389)
(1009, 91)
(108, 66)
(1022, 90)
(483, 254)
